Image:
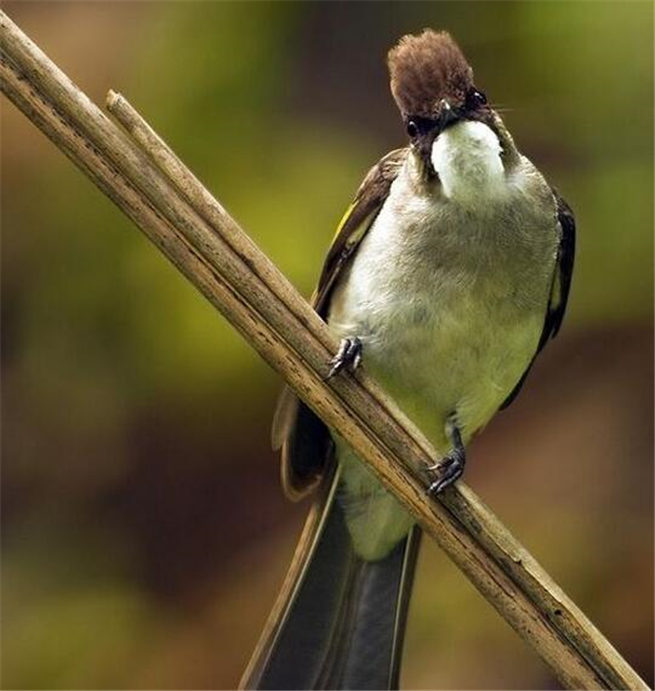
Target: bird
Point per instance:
(447, 276)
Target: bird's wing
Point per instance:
(303, 438)
(559, 293)
(355, 223)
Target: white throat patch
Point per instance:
(466, 156)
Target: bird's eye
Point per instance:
(477, 98)
(412, 129)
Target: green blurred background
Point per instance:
(144, 532)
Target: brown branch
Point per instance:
(151, 185)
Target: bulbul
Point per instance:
(448, 274)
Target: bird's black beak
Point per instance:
(447, 115)
(431, 128)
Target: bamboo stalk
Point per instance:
(149, 183)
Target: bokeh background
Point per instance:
(144, 533)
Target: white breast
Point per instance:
(449, 298)
(448, 292)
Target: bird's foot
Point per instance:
(348, 356)
(449, 469)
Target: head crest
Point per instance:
(426, 68)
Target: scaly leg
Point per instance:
(349, 355)
(451, 467)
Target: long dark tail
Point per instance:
(339, 621)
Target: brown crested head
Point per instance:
(425, 69)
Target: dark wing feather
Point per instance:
(303, 438)
(355, 223)
(566, 258)
(561, 286)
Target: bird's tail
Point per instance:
(339, 620)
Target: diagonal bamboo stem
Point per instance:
(151, 185)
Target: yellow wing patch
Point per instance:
(343, 221)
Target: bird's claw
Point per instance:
(348, 356)
(450, 468)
